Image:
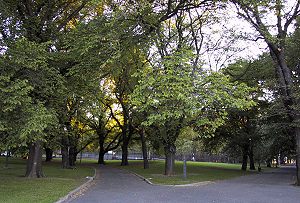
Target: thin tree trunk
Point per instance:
(170, 151)
(144, 149)
(49, 154)
(34, 162)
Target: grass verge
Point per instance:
(14, 187)
(196, 172)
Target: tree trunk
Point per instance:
(72, 156)
(126, 139)
(245, 158)
(101, 152)
(124, 153)
(144, 149)
(101, 148)
(101, 158)
(251, 158)
(170, 151)
(49, 154)
(269, 163)
(285, 80)
(34, 162)
(65, 153)
(297, 132)
(277, 161)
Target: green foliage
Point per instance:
(26, 85)
(170, 92)
(165, 90)
(185, 141)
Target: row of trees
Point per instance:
(77, 74)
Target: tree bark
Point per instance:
(101, 152)
(170, 151)
(34, 162)
(269, 163)
(125, 153)
(144, 149)
(126, 140)
(72, 156)
(49, 154)
(277, 161)
(65, 153)
(245, 158)
(251, 158)
(101, 138)
(101, 158)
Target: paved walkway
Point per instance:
(114, 186)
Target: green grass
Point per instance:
(197, 171)
(14, 187)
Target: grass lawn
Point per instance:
(196, 171)
(14, 187)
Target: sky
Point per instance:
(239, 48)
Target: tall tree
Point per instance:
(39, 22)
(258, 13)
(26, 85)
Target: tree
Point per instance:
(174, 100)
(257, 13)
(103, 120)
(27, 83)
(83, 58)
(39, 22)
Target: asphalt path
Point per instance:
(118, 186)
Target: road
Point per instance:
(115, 185)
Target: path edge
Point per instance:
(76, 190)
(183, 185)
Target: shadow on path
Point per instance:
(115, 185)
(286, 175)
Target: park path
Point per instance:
(118, 186)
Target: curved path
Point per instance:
(115, 185)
